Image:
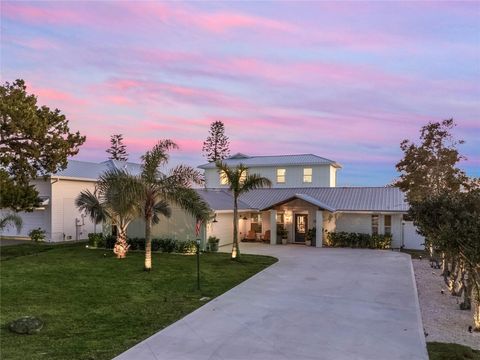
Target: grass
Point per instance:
(96, 306)
(445, 351)
(415, 254)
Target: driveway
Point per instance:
(313, 304)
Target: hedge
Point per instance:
(359, 240)
(167, 245)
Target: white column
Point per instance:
(319, 226)
(273, 227)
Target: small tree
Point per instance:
(216, 146)
(34, 141)
(240, 182)
(117, 150)
(430, 168)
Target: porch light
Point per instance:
(215, 219)
(244, 217)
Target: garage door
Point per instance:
(412, 239)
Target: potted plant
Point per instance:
(282, 234)
(212, 243)
(310, 236)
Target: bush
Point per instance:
(110, 241)
(167, 245)
(96, 240)
(37, 235)
(136, 243)
(212, 243)
(359, 240)
(187, 247)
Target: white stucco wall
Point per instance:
(65, 213)
(322, 176)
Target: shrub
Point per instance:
(167, 245)
(96, 240)
(359, 240)
(187, 247)
(212, 243)
(110, 241)
(37, 235)
(136, 243)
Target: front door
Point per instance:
(301, 221)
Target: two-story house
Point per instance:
(304, 196)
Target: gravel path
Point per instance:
(442, 318)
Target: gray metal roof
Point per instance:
(389, 199)
(221, 199)
(274, 160)
(92, 171)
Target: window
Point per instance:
(388, 225)
(307, 175)
(243, 176)
(256, 223)
(281, 176)
(223, 178)
(280, 218)
(374, 224)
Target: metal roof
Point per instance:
(274, 160)
(340, 199)
(92, 171)
(221, 199)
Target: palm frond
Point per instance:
(156, 157)
(11, 219)
(91, 205)
(162, 207)
(254, 181)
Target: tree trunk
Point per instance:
(474, 275)
(148, 244)
(235, 248)
(121, 246)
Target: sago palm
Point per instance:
(161, 190)
(240, 182)
(11, 219)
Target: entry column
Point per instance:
(273, 227)
(319, 227)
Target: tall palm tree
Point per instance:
(240, 182)
(115, 198)
(11, 219)
(160, 190)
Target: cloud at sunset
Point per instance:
(337, 79)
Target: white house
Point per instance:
(303, 196)
(58, 215)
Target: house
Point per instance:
(304, 196)
(58, 215)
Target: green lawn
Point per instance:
(443, 351)
(96, 306)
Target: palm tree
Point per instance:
(160, 190)
(115, 198)
(240, 182)
(11, 219)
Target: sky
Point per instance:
(347, 81)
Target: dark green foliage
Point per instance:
(35, 141)
(446, 351)
(37, 235)
(166, 245)
(117, 150)
(26, 325)
(96, 307)
(359, 240)
(216, 146)
(186, 247)
(96, 240)
(430, 168)
(212, 244)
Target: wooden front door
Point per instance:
(301, 221)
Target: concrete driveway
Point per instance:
(313, 304)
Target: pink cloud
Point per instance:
(51, 97)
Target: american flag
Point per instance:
(198, 225)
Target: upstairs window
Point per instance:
(374, 224)
(223, 178)
(281, 176)
(388, 225)
(243, 176)
(307, 175)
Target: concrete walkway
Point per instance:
(328, 304)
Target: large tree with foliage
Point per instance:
(430, 167)
(34, 141)
(117, 150)
(216, 146)
(240, 182)
(160, 190)
(116, 199)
